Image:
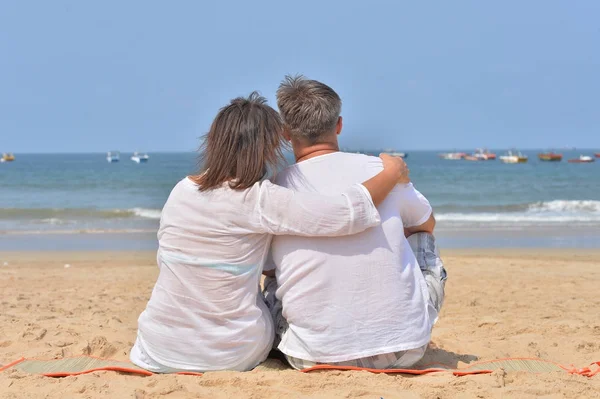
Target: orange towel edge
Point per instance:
(376, 371)
(108, 368)
(457, 372)
(9, 365)
(189, 373)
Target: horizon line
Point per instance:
(344, 149)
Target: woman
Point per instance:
(205, 312)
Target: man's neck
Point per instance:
(302, 153)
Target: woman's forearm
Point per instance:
(394, 172)
(380, 185)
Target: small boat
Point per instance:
(113, 156)
(483, 155)
(139, 158)
(478, 155)
(394, 153)
(490, 155)
(582, 159)
(550, 157)
(475, 157)
(7, 157)
(514, 157)
(597, 155)
(453, 156)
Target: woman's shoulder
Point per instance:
(188, 185)
(187, 188)
(183, 187)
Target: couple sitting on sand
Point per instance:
(353, 275)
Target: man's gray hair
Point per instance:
(309, 109)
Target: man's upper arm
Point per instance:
(415, 210)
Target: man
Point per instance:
(364, 300)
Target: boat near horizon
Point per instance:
(113, 156)
(550, 157)
(490, 156)
(514, 156)
(7, 157)
(480, 155)
(452, 156)
(582, 159)
(475, 158)
(395, 153)
(140, 157)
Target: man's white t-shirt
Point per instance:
(356, 296)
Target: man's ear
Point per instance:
(286, 133)
(338, 126)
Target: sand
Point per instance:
(500, 303)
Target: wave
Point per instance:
(147, 213)
(557, 211)
(69, 215)
(76, 231)
(539, 206)
(588, 206)
(517, 218)
(55, 221)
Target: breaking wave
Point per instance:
(558, 211)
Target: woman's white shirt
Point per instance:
(205, 313)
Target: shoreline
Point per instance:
(453, 252)
(463, 237)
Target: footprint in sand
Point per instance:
(99, 347)
(588, 347)
(34, 333)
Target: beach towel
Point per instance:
(86, 364)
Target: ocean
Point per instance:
(47, 200)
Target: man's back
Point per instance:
(351, 297)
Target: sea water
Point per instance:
(80, 201)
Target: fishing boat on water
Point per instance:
(597, 155)
(550, 157)
(475, 157)
(139, 158)
(453, 156)
(113, 156)
(582, 159)
(490, 156)
(479, 155)
(514, 156)
(395, 153)
(482, 155)
(7, 157)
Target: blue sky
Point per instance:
(151, 75)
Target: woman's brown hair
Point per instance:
(242, 146)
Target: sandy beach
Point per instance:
(500, 303)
